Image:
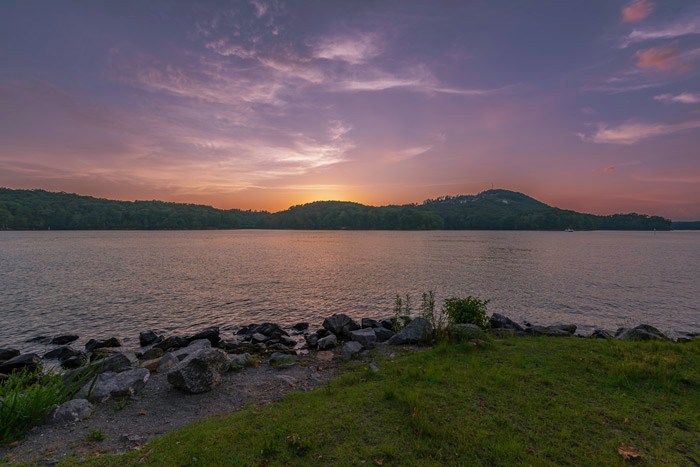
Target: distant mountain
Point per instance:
(489, 210)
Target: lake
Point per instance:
(99, 284)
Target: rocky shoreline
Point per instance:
(167, 372)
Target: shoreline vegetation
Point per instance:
(488, 210)
(443, 386)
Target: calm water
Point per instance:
(120, 283)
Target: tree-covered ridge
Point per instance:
(489, 210)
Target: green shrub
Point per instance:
(471, 310)
(26, 398)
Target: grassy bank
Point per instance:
(520, 401)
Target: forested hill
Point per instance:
(489, 210)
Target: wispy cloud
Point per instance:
(690, 24)
(661, 59)
(683, 98)
(632, 132)
(637, 11)
(354, 49)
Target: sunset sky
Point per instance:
(591, 105)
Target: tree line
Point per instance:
(490, 210)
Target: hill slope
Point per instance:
(489, 210)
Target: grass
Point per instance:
(26, 398)
(520, 401)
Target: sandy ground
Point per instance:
(160, 408)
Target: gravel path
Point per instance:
(160, 408)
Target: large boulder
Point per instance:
(327, 343)
(64, 339)
(383, 334)
(466, 332)
(643, 332)
(350, 349)
(27, 361)
(301, 327)
(173, 342)
(366, 337)
(195, 346)
(340, 325)
(147, 338)
(94, 344)
(418, 331)
(200, 371)
(106, 385)
(116, 362)
(258, 337)
(74, 362)
(6, 354)
(499, 321)
(211, 334)
(72, 411)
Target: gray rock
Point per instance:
(551, 331)
(277, 357)
(62, 353)
(383, 334)
(27, 361)
(418, 331)
(257, 338)
(643, 332)
(153, 353)
(288, 341)
(601, 334)
(350, 349)
(116, 363)
(499, 321)
(151, 365)
(173, 342)
(147, 338)
(74, 362)
(366, 337)
(300, 327)
(94, 344)
(374, 367)
(6, 354)
(106, 385)
(211, 334)
(340, 325)
(72, 411)
(167, 362)
(194, 346)
(570, 328)
(267, 329)
(64, 339)
(239, 361)
(369, 323)
(327, 342)
(465, 332)
(200, 371)
(311, 340)
(290, 380)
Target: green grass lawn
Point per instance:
(538, 401)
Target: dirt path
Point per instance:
(160, 408)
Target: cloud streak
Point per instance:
(684, 27)
(633, 132)
(683, 98)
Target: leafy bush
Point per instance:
(470, 310)
(26, 398)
